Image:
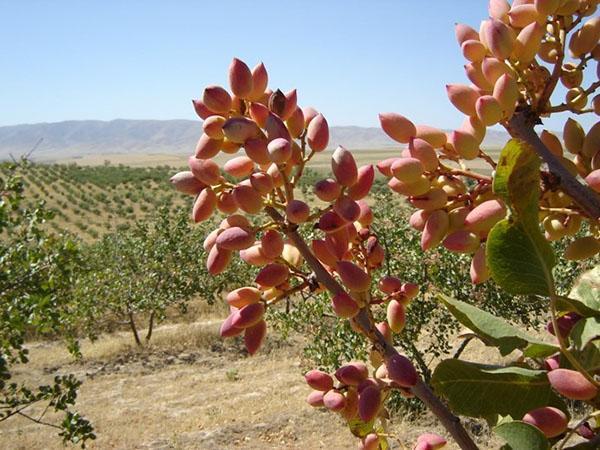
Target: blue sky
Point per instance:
(110, 59)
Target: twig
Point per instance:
(305, 159)
(289, 292)
(41, 422)
(589, 444)
(44, 411)
(16, 411)
(575, 22)
(566, 211)
(34, 148)
(466, 173)
(487, 158)
(420, 361)
(566, 107)
(462, 346)
(288, 186)
(551, 85)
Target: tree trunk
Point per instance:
(134, 329)
(150, 327)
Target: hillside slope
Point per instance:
(74, 139)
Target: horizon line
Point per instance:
(493, 129)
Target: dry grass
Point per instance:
(187, 391)
(195, 335)
(190, 390)
(196, 329)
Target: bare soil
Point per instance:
(190, 390)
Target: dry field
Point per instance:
(191, 390)
(320, 161)
(91, 197)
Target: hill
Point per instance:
(75, 139)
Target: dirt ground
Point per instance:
(190, 390)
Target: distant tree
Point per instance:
(143, 270)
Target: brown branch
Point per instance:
(38, 421)
(150, 327)
(520, 126)
(287, 294)
(363, 319)
(466, 173)
(574, 24)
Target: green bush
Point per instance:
(37, 272)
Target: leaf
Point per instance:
(517, 180)
(522, 436)
(520, 260)
(585, 331)
(539, 350)
(569, 304)
(359, 428)
(587, 289)
(495, 331)
(479, 390)
(519, 257)
(383, 442)
(589, 357)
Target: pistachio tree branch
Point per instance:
(520, 126)
(450, 422)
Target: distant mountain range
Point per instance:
(78, 138)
